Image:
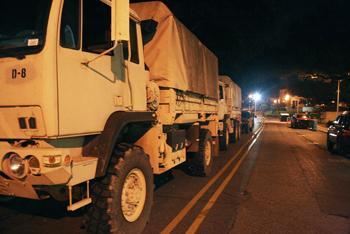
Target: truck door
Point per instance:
(87, 94)
(137, 75)
(222, 103)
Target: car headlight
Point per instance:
(15, 165)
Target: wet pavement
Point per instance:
(286, 183)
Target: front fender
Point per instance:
(102, 147)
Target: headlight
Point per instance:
(15, 165)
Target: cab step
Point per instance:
(86, 201)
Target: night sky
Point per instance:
(266, 44)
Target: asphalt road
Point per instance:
(280, 181)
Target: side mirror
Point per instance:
(120, 20)
(118, 62)
(125, 46)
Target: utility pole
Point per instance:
(297, 106)
(255, 107)
(250, 98)
(338, 96)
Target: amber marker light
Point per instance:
(52, 160)
(67, 160)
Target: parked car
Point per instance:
(300, 120)
(284, 117)
(338, 135)
(247, 121)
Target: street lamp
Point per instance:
(340, 79)
(287, 97)
(250, 98)
(338, 96)
(256, 97)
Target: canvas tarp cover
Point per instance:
(236, 91)
(175, 57)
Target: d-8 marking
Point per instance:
(21, 73)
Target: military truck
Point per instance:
(95, 99)
(229, 112)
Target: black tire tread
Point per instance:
(233, 136)
(198, 162)
(99, 218)
(222, 139)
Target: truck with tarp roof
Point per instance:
(95, 99)
(229, 111)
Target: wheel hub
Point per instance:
(207, 153)
(227, 137)
(133, 195)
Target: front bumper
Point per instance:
(75, 171)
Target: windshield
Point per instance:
(23, 26)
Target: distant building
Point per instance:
(291, 102)
(283, 93)
(344, 105)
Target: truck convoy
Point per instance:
(96, 91)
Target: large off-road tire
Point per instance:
(224, 139)
(122, 200)
(233, 135)
(238, 133)
(203, 159)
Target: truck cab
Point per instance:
(45, 54)
(64, 74)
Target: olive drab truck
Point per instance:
(96, 97)
(229, 111)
